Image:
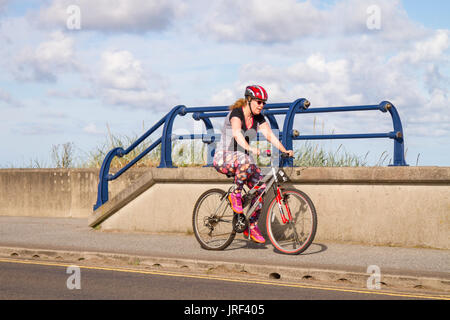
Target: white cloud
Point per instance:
(120, 70)
(426, 50)
(260, 21)
(288, 20)
(223, 97)
(75, 93)
(322, 81)
(3, 4)
(434, 79)
(114, 16)
(124, 81)
(8, 100)
(46, 60)
(137, 98)
(91, 128)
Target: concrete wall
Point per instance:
(407, 206)
(54, 192)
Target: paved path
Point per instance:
(75, 235)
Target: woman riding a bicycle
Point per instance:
(234, 155)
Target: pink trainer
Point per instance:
(255, 233)
(236, 202)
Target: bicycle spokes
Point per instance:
(290, 221)
(212, 220)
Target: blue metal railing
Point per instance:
(287, 136)
(385, 106)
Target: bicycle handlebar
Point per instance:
(268, 153)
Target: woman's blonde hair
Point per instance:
(238, 104)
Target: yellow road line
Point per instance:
(206, 277)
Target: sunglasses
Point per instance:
(259, 102)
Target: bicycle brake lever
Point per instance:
(286, 155)
(268, 153)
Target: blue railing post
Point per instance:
(102, 194)
(166, 144)
(211, 143)
(286, 137)
(272, 120)
(399, 151)
(104, 176)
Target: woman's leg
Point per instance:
(236, 163)
(254, 177)
(248, 173)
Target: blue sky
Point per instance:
(128, 65)
(433, 14)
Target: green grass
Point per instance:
(192, 153)
(314, 155)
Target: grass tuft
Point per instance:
(192, 153)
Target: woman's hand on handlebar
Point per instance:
(290, 153)
(287, 154)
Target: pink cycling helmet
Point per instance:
(256, 92)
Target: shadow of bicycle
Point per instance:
(237, 244)
(314, 248)
(246, 244)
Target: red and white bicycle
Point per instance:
(288, 219)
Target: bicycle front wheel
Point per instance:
(297, 234)
(212, 220)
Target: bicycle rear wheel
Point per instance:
(212, 220)
(296, 235)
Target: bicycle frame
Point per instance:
(271, 181)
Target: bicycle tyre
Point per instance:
(213, 230)
(282, 236)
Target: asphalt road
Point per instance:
(24, 280)
(75, 235)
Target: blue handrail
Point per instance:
(287, 135)
(104, 176)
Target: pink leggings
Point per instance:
(245, 172)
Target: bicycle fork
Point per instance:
(281, 201)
